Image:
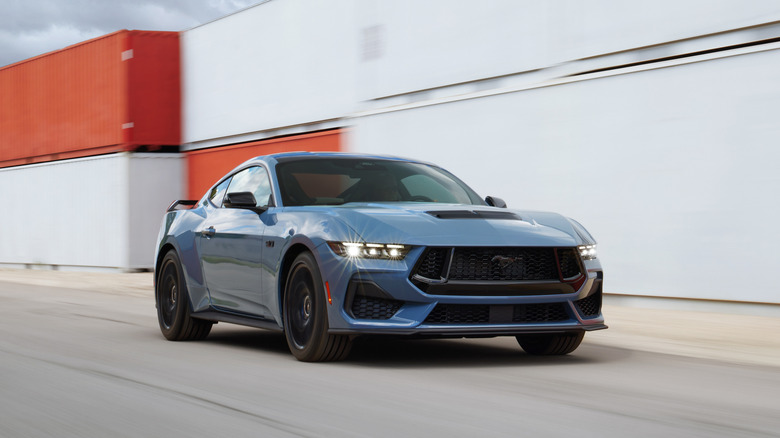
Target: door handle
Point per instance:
(209, 232)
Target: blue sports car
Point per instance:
(326, 247)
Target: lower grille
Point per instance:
(496, 314)
(589, 306)
(459, 314)
(539, 313)
(374, 308)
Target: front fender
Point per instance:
(176, 232)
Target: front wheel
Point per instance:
(306, 317)
(550, 344)
(172, 299)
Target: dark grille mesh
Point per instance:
(539, 312)
(569, 266)
(374, 308)
(503, 264)
(432, 263)
(486, 314)
(590, 306)
(459, 314)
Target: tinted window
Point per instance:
(218, 192)
(333, 181)
(425, 186)
(253, 180)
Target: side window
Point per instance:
(218, 192)
(254, 180)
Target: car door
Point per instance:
(231, 244)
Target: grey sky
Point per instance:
(31, 27)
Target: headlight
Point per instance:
(587, 252)
(388, 251)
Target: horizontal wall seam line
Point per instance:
(692, 299)
(457, 84)
(572, 79)
(679, 56)
(705, 36)
(293, 129)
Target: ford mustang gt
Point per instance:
(326, 247)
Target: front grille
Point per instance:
(503, 264)
(545, 312)
(569, 260)
(496, 314)
(459, 314)
(590, 306)
(374, 308)
(432, 263)
(497, 271)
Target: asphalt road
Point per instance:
(84, 363)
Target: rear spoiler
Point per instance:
(181, 202)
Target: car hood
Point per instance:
(449, 224)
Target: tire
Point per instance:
(306, 317)
(172, 299)
(550, 344)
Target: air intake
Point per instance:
(474, 214)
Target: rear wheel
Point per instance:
(173, 310)
(550, 344)
(306, 317)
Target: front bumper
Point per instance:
(398, 307)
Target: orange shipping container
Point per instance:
(118, 92)
(206, 166)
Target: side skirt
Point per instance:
(212, 315)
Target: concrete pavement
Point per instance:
(728, 337)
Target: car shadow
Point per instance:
(249, 338)
(385, 352)
(493, 352)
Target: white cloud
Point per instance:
(32, 27)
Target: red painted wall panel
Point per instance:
(81, 100)
(206, 166)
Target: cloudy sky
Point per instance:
(32, 27)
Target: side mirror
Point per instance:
(495, 202)
(240, 200)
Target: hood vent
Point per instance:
(474, 214)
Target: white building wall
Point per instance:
(154, 181)
(420, 46)
(674, 170)
(291, 66)
(280, 64)
(97, 212)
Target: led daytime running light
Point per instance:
(370, 250)
(587, 252)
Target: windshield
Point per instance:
(333, 181)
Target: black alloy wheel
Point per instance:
(300, 299)
(168, 294)
(306, 315)
(550, 344)
(172, 301)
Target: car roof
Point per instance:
(284, 157)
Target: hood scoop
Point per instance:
(474, 214)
